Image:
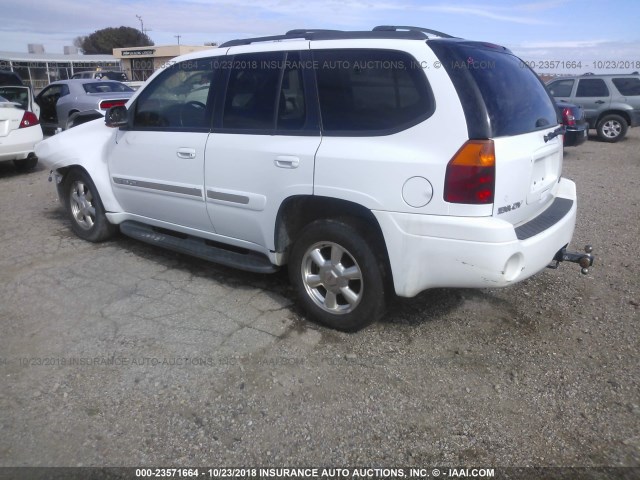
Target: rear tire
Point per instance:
(84, 208)
(337, 275)
(26, 164)
(612, 128)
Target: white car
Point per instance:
(19, 130)
(394, 160)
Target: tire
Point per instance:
(85, 209)
(26, 164)
(612, 128)
(337, 275)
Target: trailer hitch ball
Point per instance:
(585, 260)
(585, 263)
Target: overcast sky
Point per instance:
(562, 30)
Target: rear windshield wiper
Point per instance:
(554, 134)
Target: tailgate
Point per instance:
(527, 172)
(10, 118)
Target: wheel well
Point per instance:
(622, 113)
(297, 212)
(64, 171)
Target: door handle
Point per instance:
(286, 161)
(187, 153)
(599, 102)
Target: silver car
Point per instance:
(62, 101)
(611, 103)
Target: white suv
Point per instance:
(399, 159)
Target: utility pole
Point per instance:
(142, 29)
(178, 37)
(141, 23)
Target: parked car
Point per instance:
(341, 155)
(19, 134)
(576, 128)
(611, 102)
(13, 89)
(102, 75)
(60, 100)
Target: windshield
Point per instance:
(105, 87)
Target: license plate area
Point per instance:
(545, 172)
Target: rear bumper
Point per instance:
(19, 143)
(634, 117)
(463, 252)
(575, 136)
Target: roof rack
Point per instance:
(302, 31)
(382, 32)
(398, 28)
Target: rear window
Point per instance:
(105, 87)
(629, 87)
(119, 76)
(17, 95)
(511, 96)
(370, 92)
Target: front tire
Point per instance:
(612, 128)
(337, 275)
(85, 210)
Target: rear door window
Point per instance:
(267, 93)
(592, 87)
(370, 92)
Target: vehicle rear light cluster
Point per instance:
(106, 104)
(567, 117)
(28, 120)
(471, 174)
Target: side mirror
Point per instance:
(116, 117)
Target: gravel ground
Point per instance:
(211, 366)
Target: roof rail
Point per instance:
(274, 38)
(320, 34)
(302, 31)
(396, 28)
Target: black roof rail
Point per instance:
(248, 41)
(396, 28)
(302, 31)
(320, 34)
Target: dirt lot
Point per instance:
(124, 354)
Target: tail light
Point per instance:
(471, 174)
(28, 120)
(107, 104)
(567, 117)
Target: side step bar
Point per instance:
(199, 247)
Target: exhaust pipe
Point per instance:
(585, 260)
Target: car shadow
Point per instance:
(9, 170)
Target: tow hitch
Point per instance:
(585, 260)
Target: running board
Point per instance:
(199, 247)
